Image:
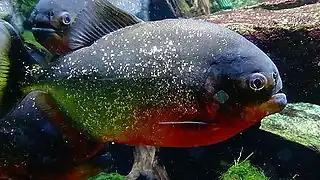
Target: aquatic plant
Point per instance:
(243, 170)
(243, 3)
(106, 176)
(218, 5)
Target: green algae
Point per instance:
(219, 5)
(298, 122)
(244, 171)
(243, 3)
(105, 176)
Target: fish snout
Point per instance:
(275, 105)
(281, 100)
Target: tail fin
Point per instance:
(13, 60)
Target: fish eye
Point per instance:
(65, 18)
(257, 81)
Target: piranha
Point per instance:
(174, 82)
(167, 83)
(52, 20)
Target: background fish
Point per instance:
(52, 20)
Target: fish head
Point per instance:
(241, 86)
(245, 85)
(51, 21)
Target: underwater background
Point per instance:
(283, 146)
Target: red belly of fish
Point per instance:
(150, 132)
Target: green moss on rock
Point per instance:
(299, 122)
(243, 3)
(244, 171)
(106, 176)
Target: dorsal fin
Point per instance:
(97, 20)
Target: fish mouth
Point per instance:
(276, 103)
(43, 27)
(50, 30)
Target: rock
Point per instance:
(283, 4)
(291, 37)
(298, 122)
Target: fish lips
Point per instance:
(43, 27)
(42, 31)
(275, 104)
